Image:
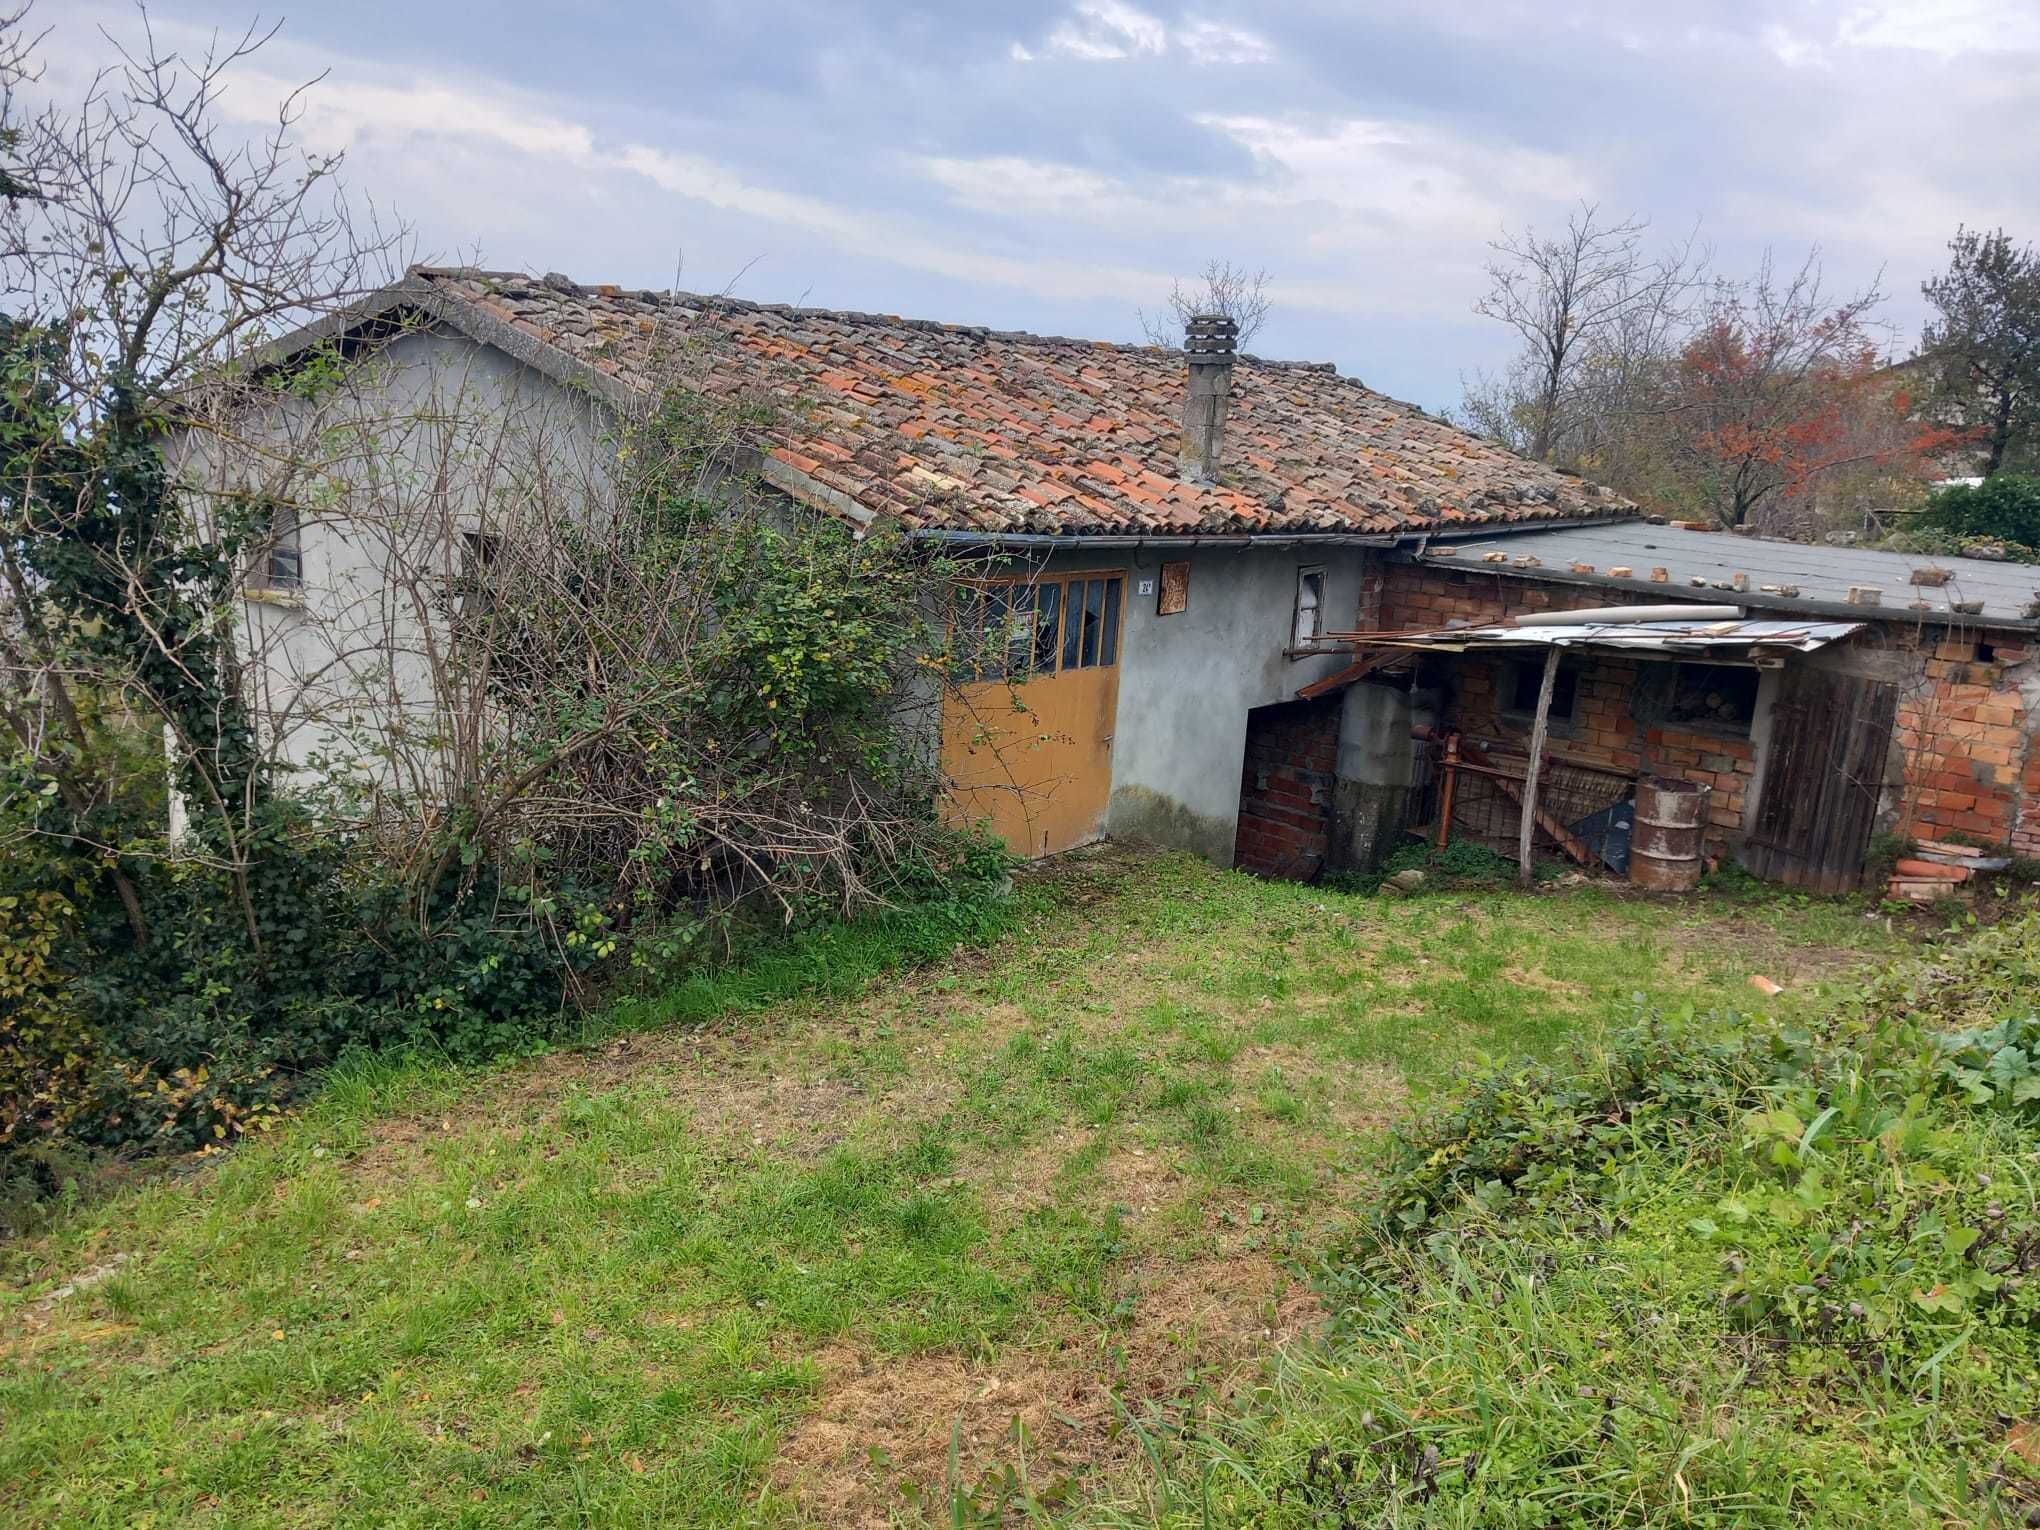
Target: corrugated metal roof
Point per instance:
(1664, 637)
(1702, 565)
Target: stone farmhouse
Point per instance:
(1252, 602)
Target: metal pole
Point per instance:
(1445, 795)
(1537, 731)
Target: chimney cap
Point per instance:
(1210, 335)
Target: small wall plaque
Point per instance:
(1175, 589)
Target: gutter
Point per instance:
(1420, 536)
(1048, 541)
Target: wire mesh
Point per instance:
(1568, 792)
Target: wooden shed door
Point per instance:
(1830, 737)
(1030, 746)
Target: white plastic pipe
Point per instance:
(1614, 616)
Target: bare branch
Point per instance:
(1221, 287)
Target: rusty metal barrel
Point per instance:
(1671, 827)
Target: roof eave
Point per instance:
(417, 294)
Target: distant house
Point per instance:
(1201, 548)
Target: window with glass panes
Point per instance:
(1033, 628)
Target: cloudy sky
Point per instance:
(1050, 167)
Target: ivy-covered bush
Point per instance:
(605, 688)
(1719, 1270)
(1836, 1222)
(1999, 517)
(688, 719)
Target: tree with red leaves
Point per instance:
(1779, 388)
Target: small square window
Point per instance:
(1310, 607)
(1722, 696)
(280, 565)
(1528, 680)
(478, 553)
(1175, 597)
(475, 585)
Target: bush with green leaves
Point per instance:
(1719, 1271)
(666, 704)
(2004, 508)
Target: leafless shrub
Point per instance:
(1596, 314)
(143, 247)
(1236, 292)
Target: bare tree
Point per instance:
(1592, 309)
(1221, 287)
(146, 254)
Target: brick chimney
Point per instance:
(1208, 342)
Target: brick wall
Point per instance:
(1969, 759)
(1966, 735)
(1421, 595)
(1604, 732)
(1285, 826)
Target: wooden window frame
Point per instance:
(1299, 646)
(1652, 703)
(1111, 624)
(1572, 675)
(278, 567)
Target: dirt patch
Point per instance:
(1527, 977)
(1139, 1180)
(742, 1087)
(1360, 1097)
(1759, 948)
(883, 1426)
(393, 1144)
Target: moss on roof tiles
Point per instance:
(1307, 449)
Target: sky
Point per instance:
(1052, 167)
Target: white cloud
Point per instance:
(482, 149)
(337, 119)
(1214, 42)
(909, 243)
(1793, 49)
(1381, 173)
(1949, 28)
(1103, 30)
(1109, 31)
(1361, 216)
(1007, 184)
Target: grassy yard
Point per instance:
(802, 1263)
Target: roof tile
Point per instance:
(910, 415)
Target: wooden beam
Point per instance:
(1445, 797)
(1512, 788)
(1359, 669)
(1539, 726)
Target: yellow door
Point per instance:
(1027, 744)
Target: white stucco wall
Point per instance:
(1188, 680)
(431, 437)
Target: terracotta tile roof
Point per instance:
(957, 427)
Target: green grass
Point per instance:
(1718, 1272)
(630, 1283)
